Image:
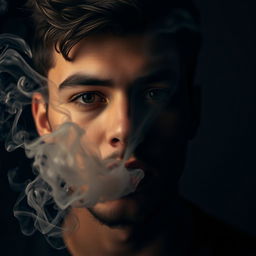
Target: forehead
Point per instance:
(112, 57)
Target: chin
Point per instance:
(118, 213)
(139, 208)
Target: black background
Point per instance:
(220, 175)
(221, 167)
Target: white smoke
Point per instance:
(68, 171)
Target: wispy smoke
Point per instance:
(68, 170)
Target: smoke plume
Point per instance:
(67, 169)
(68, 172)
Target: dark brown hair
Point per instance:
(63, 23)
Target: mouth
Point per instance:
(146, 183)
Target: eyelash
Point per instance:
(165, 94)
(75, 99)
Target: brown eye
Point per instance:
(87, 98)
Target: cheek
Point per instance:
(94, 135)
(55, 117)
(92, 125)
(165, 129)
(167, 125)
(166, 139)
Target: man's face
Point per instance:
(110, 89)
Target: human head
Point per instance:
(141, 57)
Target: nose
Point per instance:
(119, 125)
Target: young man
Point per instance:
(111, 64)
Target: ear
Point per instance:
(40, 114)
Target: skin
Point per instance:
(106, 116)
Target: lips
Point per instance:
(134, 163)
(145, 183)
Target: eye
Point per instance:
(89, 98)
(157, 95)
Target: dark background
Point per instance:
(220, 176)
(221, 168)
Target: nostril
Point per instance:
(114, 141)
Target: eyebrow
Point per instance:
(156, 75)
(83, 79)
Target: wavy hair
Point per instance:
(63, 23)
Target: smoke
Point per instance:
(68, 170)
(77, 176)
